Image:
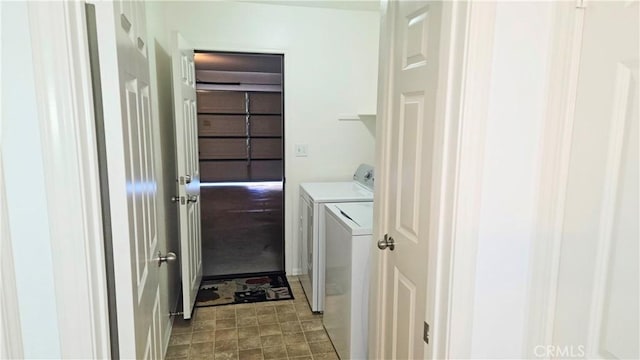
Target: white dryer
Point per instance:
(349, 243)
(313, 196)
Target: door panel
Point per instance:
(186, 125)
(404, 308)
(131, 176)
(409, 144)
(414, 81)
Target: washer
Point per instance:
(349, 242)
(313, 196)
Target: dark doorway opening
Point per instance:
(241, 152)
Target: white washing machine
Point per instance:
(313, 196)
(349, 242)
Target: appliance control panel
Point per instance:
(365, 175)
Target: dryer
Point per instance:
(313, 197)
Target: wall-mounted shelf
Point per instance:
(356, 117)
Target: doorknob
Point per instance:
(175, 199)
(171, 256)
(387, 242)
(187, 179)
(192, 198)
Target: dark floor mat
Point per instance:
(244, 290)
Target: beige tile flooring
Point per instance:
(266, 330)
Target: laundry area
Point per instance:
(319, 180)
(285, 125)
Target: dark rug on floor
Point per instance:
(244, 290)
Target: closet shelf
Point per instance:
(239, 137)
(356, 117)
(238, 159)
(239, 113)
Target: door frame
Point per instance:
(556, 142)
(291, 261)
(10, 326)
(465, 60)
(70, 163)
(282, 53)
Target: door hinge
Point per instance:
(425, 334)
(581, 4)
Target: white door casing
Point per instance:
(67, 134)
(594, 295)
(10, 326)
(186, 130)
(131, 176)
(555, 149)
(408, 175)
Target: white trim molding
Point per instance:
(472, 123)
(556, 147)
(291, 250)
(378, 269)
(454, 59)
(66, 119)
(11, 346)
(10, 327)
(619, 127)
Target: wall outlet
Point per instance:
(301, 150)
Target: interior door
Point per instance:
(413, 79)
(124, 70)
(597, 293)
(186, 130)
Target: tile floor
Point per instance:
(266, 330)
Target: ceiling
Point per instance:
(360, 5)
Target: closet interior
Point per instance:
(241, 143)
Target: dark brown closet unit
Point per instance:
(240, 130)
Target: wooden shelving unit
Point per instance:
(240, 136)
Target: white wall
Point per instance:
(21, 153)
(517, 105)
(330, 68)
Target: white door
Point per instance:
(413, 84)
(186, 130)
(124, 69)
(597, 293)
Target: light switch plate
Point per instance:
(301, 150)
